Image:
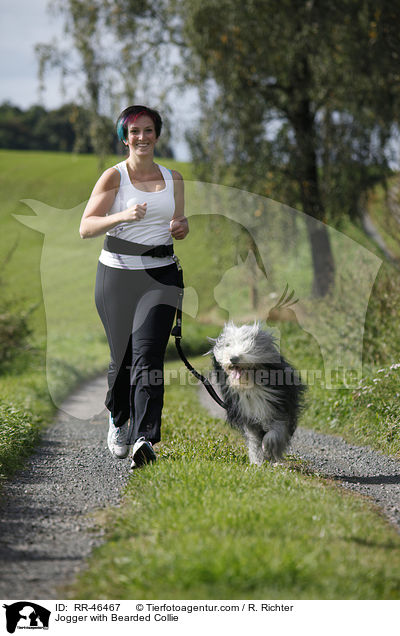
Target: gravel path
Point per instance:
(47, 528)
(356, 468)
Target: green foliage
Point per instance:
(19, 432)
(293, 88)
(376, 409)
(104, 46)
(381, 346)
(285, 113)
(14, 324)
(368, 415)
(14, 332)
(64, 129)
(293, 110)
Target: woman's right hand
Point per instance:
(135, 213)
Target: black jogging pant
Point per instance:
(137, 309)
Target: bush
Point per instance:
(19, 432)
(381, 344)
(14, 328)
(14, 332)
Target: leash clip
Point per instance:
(177, 262)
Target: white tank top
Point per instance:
(153, 229)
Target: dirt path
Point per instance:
(46, 526)
(46, 529)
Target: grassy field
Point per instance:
(201, 503)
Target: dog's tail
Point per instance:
(275, 442)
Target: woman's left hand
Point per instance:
(179, 228)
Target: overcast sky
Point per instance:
(24, 23)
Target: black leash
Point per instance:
(177, 333)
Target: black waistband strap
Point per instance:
(120, 246)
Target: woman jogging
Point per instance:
(139, 205)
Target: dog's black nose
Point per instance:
(235, 359)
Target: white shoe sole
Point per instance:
(122, 451)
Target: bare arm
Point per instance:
(94, 220)
(179, 226)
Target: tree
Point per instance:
(106, 47)
(308, 69)
(66, 128)
(81, 24)
(304, 92)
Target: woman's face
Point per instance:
(141, 135)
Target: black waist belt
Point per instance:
(120, 246)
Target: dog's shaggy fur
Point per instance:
(263, 393)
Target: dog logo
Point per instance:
(26, 615)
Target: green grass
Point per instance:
(20, 432)
(386, 224)
(202, 523)
(367, 415)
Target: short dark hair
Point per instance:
(135, 111)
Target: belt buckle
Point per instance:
(158, 251)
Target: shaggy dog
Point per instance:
(262, 392)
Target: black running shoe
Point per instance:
(143, 453)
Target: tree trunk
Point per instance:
(302, 119)
(321, 251)
(322, 258)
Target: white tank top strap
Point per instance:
(123, 170)
(167, 176)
